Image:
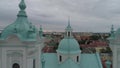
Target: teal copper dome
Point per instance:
(68, 44)
(21, 27)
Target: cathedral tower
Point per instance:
(20, 43)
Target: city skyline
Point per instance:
(85, 16)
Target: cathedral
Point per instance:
(21, 44)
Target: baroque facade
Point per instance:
(20, 43)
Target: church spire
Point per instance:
(68, 29)
(41, 32)
(22, 7)
(69, 22)
(112, 29)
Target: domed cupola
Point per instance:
(21, 27)
(68, 44)
(68, 47)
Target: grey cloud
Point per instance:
(86, 15)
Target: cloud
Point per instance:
(85, 15)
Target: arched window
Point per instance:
(15, 65)
(33, 63)
(77, 59)
(68, 34)
(60, 58)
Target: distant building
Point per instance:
(115, 46)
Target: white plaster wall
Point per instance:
(7, 61)
(29, 63)
(12, 40)
(74, 57)
(0, 57)
(38, 56)
(4, 58)
(66, 56)
(14, 44)
(116, 56)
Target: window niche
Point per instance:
(68, 34)
(60, 58)
(34, 63)
(77, 58)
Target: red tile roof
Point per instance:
(48, 49)
(95, 44)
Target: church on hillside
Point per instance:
(21, 46)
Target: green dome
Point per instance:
(68, 45)
(21, 27)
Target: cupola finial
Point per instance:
(40, 27)
(41, 32)
(68, 23)
(22, 5)
(68, 20)
(68, 29)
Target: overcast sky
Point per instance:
(85, 15)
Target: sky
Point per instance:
(85, 15)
